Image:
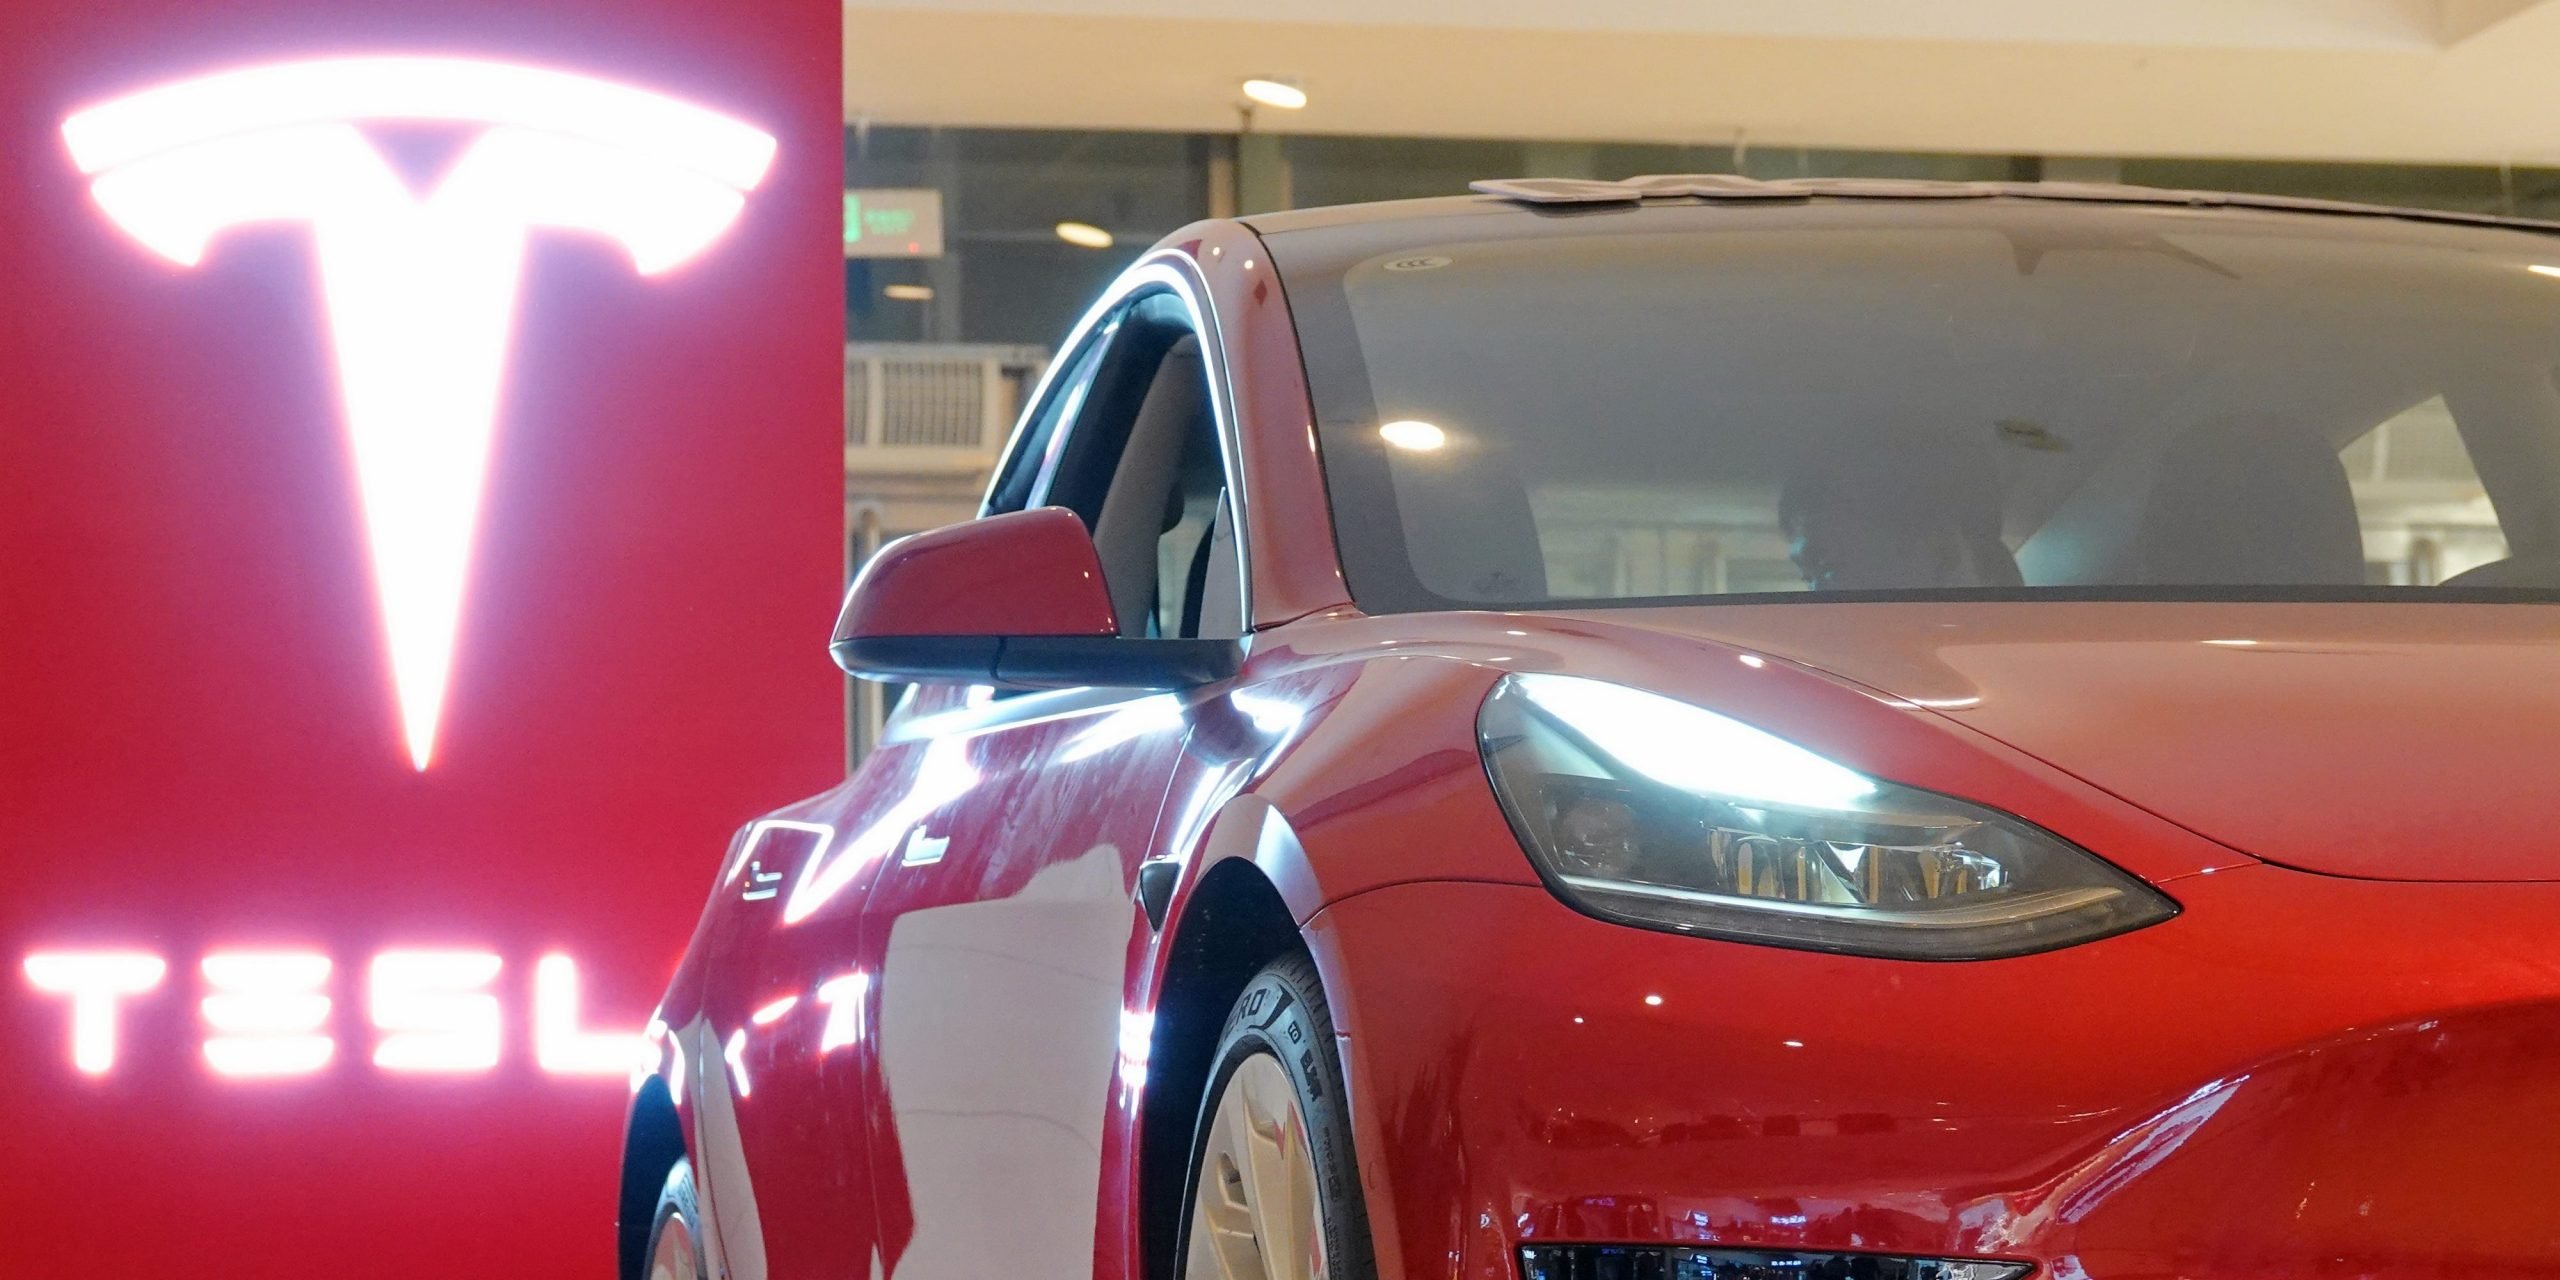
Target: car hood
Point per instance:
(2385, 741)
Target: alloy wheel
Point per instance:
(673, 1255)
(1255, 1213)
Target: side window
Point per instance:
(1141, 463)
(1035, 452)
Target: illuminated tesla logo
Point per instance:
(420, 290)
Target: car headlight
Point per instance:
(1650, 811)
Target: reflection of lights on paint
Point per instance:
(266, 1012)
(764, 866)
(675, 1067)
(843, 997)
(420, 293)
(2128, 1156)
(434, 1010)
(1156, 713)
(943, 775)
(923, 850)
(654, 1039)
(1137, 1045)
(735, 1054)
(772, 1013)
(1268, 714)
(559, 1043)
(907, 292)
(95, 982)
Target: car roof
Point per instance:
(1495, 196)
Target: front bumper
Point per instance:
(2298, 1076)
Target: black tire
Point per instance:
(1282, 1014)
(677, 1210)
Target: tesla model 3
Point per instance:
(1691, 727)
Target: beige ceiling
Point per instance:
(2408, 80)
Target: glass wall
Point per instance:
(1348, 170)
(2526, 193)
(1006, 276)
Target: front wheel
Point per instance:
(1274, 1191)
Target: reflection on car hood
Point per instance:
(2389, 741)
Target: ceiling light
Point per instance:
(908, 292)
(1413, 435)
(1084, 235)
(1276, 93)
(2542, 270)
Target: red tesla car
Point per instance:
(1690, 728)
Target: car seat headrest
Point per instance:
(1133, 513)
(2250, 501)
(1898, 512)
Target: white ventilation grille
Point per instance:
(948, 398)
(937, 404)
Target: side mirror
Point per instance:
(1016, 601)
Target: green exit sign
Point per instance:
(893, 222)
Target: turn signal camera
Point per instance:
(1641, 1262)
(1650, 811)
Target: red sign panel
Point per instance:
(420, 519)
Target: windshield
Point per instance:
(1881, 399)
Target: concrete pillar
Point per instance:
(1262, 173)
(942, 172)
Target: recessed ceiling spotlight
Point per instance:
(1275, 93)
(1084, 235)
(908, 292)
(1412, 435)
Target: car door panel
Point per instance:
(781, 1126)
(1001, 971)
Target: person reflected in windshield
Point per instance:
(1902, 516)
